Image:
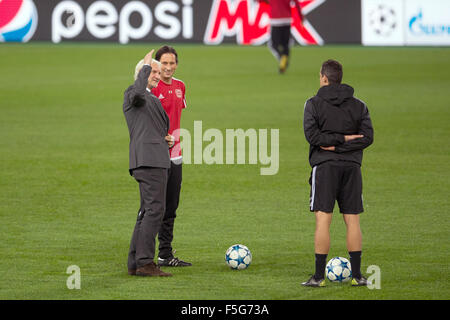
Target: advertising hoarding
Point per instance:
(199, 21)
(213, 22)
(405, 22)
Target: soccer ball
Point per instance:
(339, 270)
(238, 257)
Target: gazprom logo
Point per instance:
(418, 26)
(18, 20)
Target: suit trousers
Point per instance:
(165, 235)
(152, 187)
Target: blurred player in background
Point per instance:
(171, 92)
(280, 29)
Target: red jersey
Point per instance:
(173, 100)
(280, 11)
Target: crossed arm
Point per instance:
(347, 138)
(334, 141)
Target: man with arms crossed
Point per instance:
(338, 127)
(171, 92)
(148, 126)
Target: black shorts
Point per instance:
(336, 180)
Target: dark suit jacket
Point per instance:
(148, 124)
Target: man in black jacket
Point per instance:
(338, 127)
(148, 126)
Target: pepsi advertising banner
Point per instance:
(212, 22)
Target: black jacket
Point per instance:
(148, 125)
(331, 114)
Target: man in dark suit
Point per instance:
(148, 125)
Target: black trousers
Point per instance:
(280, 37)
(152, 187)
(165, 235)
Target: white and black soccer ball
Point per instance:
(383, 20)
(238, 257)
(338, 270)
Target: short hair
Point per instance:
(139, 66)
(166, 49)
(333, 70)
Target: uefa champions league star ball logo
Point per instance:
(383, 20)
(18, 20)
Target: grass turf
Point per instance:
(66, 197)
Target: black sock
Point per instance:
(355, 261)
(321, 261)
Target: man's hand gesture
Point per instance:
(148, 57)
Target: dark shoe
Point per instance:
(132, 272)
(151, 270)
(173, 262)
(360, 282)
(312, 282)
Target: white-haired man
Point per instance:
(148, 126)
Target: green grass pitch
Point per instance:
(66, 197)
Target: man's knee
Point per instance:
(351, 220)
(323, 219)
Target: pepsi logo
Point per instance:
(18, 20)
